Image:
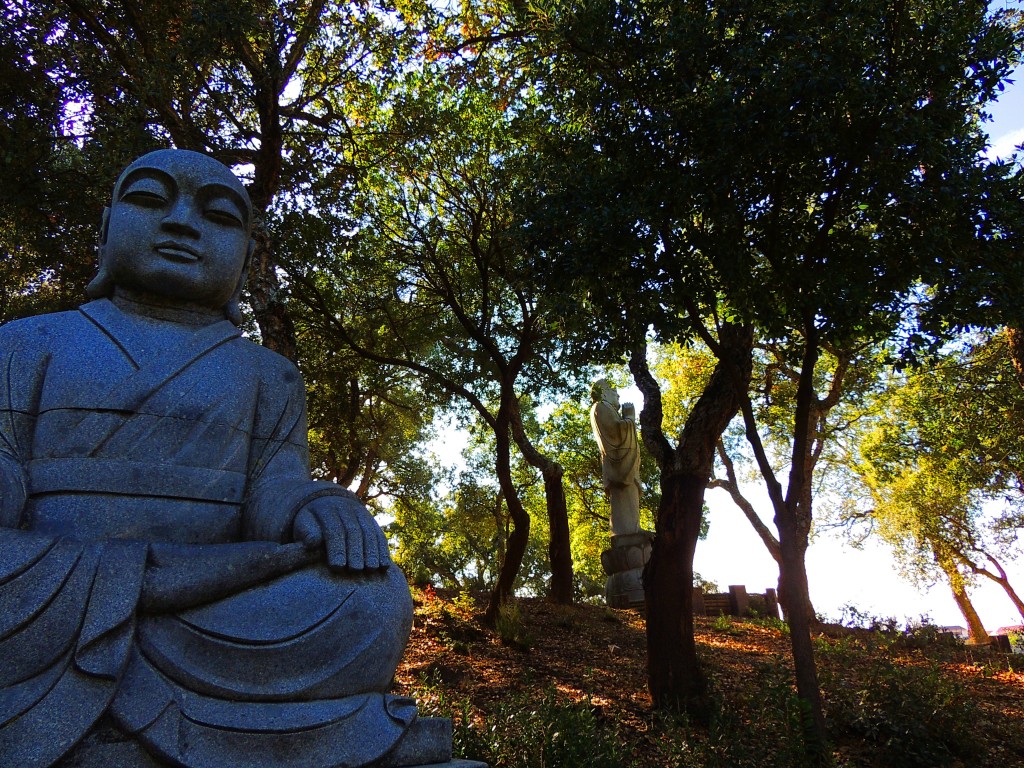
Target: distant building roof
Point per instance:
(1009, 629)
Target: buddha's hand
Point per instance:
(351, 538)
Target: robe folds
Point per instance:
(150, 474)
(620, 466)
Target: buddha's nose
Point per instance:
(182, 216)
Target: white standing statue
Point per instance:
(630, 547)
(620, 456)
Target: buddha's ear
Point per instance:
(232, 311)
(102, 285)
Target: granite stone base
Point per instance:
(625, 589)
(125, 755)
(624, 563)
(107, 747)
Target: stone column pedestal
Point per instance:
(430, 738)
(624, 563)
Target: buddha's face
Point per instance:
(611, 395)
(178, 229)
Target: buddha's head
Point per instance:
(602, 391)
(177, 230)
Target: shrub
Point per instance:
(510, 627)
(917, 716)
(771, 622)
(764, 729)
(525, 732)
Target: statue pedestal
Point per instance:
(107, 747)
(624, 563)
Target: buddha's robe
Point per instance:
(620, 466)
(150, 474)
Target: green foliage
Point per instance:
(763, 727)
(888, 634)
(456, 541)
(454, 622)
(457, 537)
(683, 372)
(748, 154)
(942, 462)
(918, 715)
(531, 731)
(54, 187)
(854, 616)
(510, 627)
(100, 82)
(1016, 642)
(771, 622)
(367, 426)
(430, 276)
(722, 623)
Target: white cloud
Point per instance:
(1005, 145)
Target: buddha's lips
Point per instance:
(176, 251)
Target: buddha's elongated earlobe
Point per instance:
(102, 285)
(232, 311)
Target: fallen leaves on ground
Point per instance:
(597, 655)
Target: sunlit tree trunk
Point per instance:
(963, 601)
(1015, 339)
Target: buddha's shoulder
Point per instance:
(48, 329)
(267, 364)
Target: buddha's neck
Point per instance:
(159, 308)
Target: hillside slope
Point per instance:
(567, 688)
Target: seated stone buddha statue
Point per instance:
(168, 570)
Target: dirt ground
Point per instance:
(597, 655)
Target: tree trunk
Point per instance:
(673, 670)
(519, 536)
(559, 553)
(793, 514)
(265, 295)
(794, 597)
(794, 529)
(1015, 338)
(1003, 581)
(276, 327)
(963, 601)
